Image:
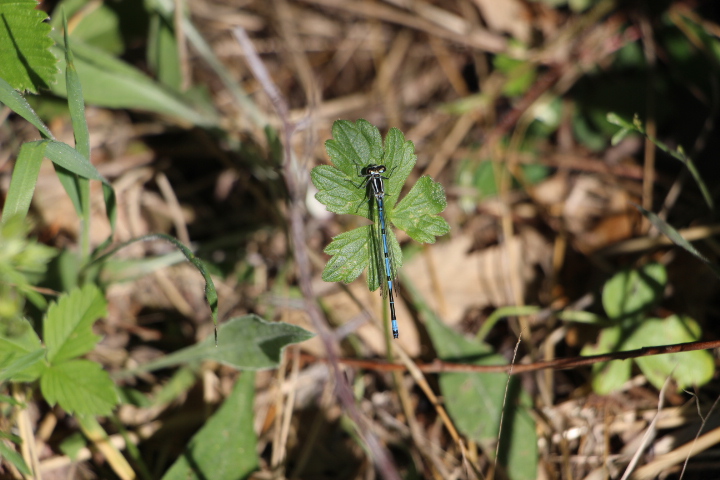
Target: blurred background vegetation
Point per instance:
(507, 105)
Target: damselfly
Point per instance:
(374, 178)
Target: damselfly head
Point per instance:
(374, 170)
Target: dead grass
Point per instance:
(396, 64)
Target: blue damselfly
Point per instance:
(374, 179)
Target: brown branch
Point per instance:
(439, 366)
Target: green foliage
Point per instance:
(225, 447)
(67, 329)
(210, 292)
(634, 291)
(10, 97)
(79, 386)
(341, 188)
(244, 343)
(27, 65)
(13, 457)
(162, 52)
(22, 352)
(110, 82)
(627, 298)
(678, 239)
(521, 74)
(678, 154)
(72, 445)
(475, 402)
(483, 178)
(98, 26)
(23, 262)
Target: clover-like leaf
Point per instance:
(343, 188)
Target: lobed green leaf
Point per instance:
(339, 193)
(343, 189)
(399, 158)
(417, 212)
(79, 386)
(67, 328)
(354, 145)
(350, 251)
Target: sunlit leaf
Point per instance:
(67, 329)
(79, 386)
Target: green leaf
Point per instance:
(619, 136)
(25, 58)
(99, 26)
(180, 382)
(399, 158)
(23, 180)
(608, 376)
(10, 97)
(70, 159)
(162, 52)
(14, 458)
(109, 82)
(353, 147)
(19, 367)
(76, 103)
(417, 213)
(19, 344)
(688, 369)
(350, 251)
(677, 239)
(520, 74)
(72, 445)
(343, 189)
(244, 343)
(79, 386)
(475, 402)
(634, 291)
(76, 106)
(338, 192)
(677, 154)
(67, 328)
(71, 163)
(225, 448)
(23, 262)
